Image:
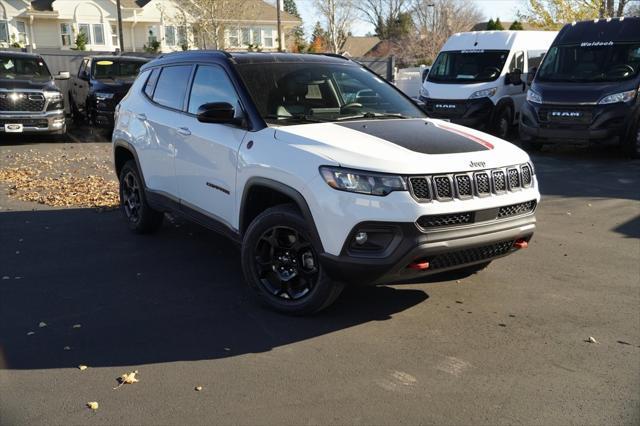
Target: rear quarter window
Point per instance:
(172, 86)
(150, 85)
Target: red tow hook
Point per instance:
(422, 265)
(521, 244)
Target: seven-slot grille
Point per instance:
(467, 185)
(21, 101)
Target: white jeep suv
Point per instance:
(325, 173)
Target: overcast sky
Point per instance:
(504, 9)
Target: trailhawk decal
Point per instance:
(426, 137)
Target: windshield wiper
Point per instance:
(372, 115)
(296, 117)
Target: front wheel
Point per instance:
(502, 123)
(281, 264)
(631, 146)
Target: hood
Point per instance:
(457, 90)
(575, 93)
(403, 146)
(12, 84)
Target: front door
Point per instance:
(517, 92)
(207, 154)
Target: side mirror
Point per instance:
(63, 75)
(530, 75)
(425, 73)
(514, 77)
(217, 112)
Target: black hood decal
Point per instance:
(421, 136)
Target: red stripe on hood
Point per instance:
(457, 131)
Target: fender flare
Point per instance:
(290, 192)
(120, 143)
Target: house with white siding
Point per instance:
(55, 24)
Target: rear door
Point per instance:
(207, 154)
(77, 85)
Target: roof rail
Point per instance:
(333, 55)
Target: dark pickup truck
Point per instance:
(30, 102)
(100, 84)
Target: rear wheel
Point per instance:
(502, 123)
(281, 264)
(140, 216)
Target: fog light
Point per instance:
(361, 238)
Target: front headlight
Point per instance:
(618, 97)
(102, 96)
(362, 182)
(533, 97)
(53, 96)
(486, 93)
(424, 92)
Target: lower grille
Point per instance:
(26, 122)
(454, 219)
(517, 209)
(476, 254)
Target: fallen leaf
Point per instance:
(93, 405)
(67, 348)
(31, 333)
(591, 340)
(82, 367)
(42, 324)
(127, 379)
(198, 388)
(77, 325)
(6, 278)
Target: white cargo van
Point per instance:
(479, 78)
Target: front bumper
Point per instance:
(474, 113)
(36, 122)
(596, 122)
(443, 250)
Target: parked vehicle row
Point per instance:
(585, 88)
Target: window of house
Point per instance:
(114, 35)
(172, 86)
(211, 84)
(152, 34)
(182, 35)
(246, 36)
(170, 35)
(267, 37)
(86, 30)
(22, 32)
(65, 33)
(256, 34)
(98, 34)
(4, 32)
(232, 37)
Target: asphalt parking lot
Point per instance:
(508, 345)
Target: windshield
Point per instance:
(23, 68)
(319, 92)
(468, 66)
(591, 62)
(116, 68)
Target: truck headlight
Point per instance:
(53, 96)
(618, 97)
(486, 93)
(362, 182)
(102, 96)
(533, 97)
(424, 92)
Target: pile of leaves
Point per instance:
(61, 180)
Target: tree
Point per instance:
(338, 16)
(498, 25)
(516, 26)
(318, 39)
(389, 17)
(211, 15)
(296, 34)
(491, 25)
(553, 14)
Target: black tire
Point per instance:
(142, 219)
(631, 146)
(76, 117)
(280, 262)
(502, 123)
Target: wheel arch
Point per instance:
(262, 193)
(123, 151)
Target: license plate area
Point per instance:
(13, 128)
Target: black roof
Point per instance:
(116, 57)
(246, 57)
(14, 54)
(600, 30)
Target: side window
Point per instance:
(151, 83)
(517, 62)
(172, 86)
(535, 57)
(211, 84)
(83, 67)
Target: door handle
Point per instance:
(141, 117)
(184, 131)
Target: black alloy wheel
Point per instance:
(131, 198)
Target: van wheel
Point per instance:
(502, 123)
(631, 146)
(141, 218)
(281, 264)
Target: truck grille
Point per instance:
(477, 216)
(21, 101)
(475, 254)
(468, 185)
